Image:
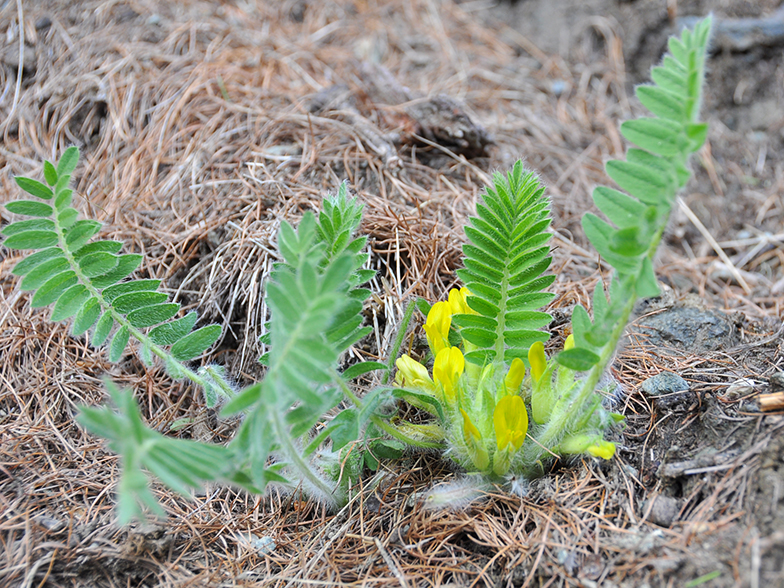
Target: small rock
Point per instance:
(777, 382)
(663, 510)
(668, 389)
(740, 388)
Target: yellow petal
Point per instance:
(569, 343)
(603, 449)
(412, 374)
(439, 320)
(537, 360)
(470, 431)
(514, 377)
(510, 420)
(447, 369)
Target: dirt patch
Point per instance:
(203, 124)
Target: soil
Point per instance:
(202, 124)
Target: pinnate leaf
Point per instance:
(34, 187)
(27, 264)
(134, 300)
(30, 208)
(68, 161)
(102, 329)
(42, 272)
(125, 266)
(50, 173)
(32, 240)
(70, 302)
(152, 315)
(170, 333)
(81, 232)
(35, 224)
(96, 264)
(577, 359)
(53, 288)
(195, 343)
(86, 316)
(118, 344)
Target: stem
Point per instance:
(284, 438)
(121, 320)
(401, 334)
(381, 423)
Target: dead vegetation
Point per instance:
(202, 125)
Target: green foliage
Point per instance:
(504, 261)
(82, 279)
(486, 411)
(651, 176)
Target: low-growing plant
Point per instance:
(499, 407)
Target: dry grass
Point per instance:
(198, 137)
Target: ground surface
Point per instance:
(202, 124)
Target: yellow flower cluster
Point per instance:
(480, 406)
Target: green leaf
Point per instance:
(125, 266)
(32, 240)
(50, 173)
(53, 288)
(81, 232)
(697, 134)
(344, 428)
(68, 161)
(96, 264)
(244, 400)
(640, 181)
(63, 198)
(647, 286)
(118, 344)
(195, 343)
(362, 368)
(621, 209)
(70, 302)
(170, 333)
(660, 136)
(30, 262)
(112, 292)
(577, 359)
(67, 217)
(86, 316)
(43, 272)
(134, 300)
(102, 329)
(662, 103)
(35, 188)
(102, 246)
(422, 400)
(152, 315)
(30, 208)
(36, 224)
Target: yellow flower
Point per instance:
(603, 449)
(412, 374)
(457, 301)
(537, 360)
(470, 432)
(447, 369)
(514, 377)
(588, 443)
(510, 419)
(473, 440)
(439, 319)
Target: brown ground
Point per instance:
(202, 124)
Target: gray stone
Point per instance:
(669, 390)
(663, 510)
(689, 328)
